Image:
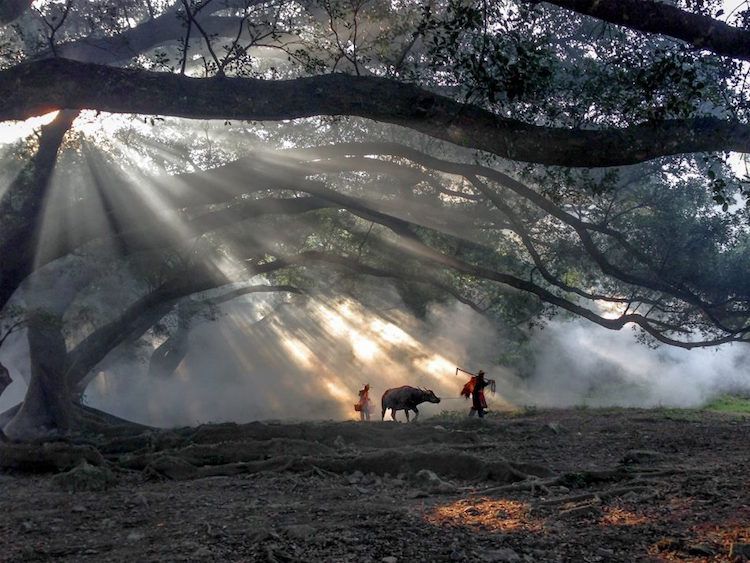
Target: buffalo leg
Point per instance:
(393, 414)
(416, 414)
(407, 414)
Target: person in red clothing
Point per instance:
(364, 405)
(474, 388)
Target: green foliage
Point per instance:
(733, 404)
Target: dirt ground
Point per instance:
(563, 485)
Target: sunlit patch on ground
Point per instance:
(619, 516)
(497, 515)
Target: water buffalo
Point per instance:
(406, 398)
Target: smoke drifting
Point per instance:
(580, 363)
(307, 359)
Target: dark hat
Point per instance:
(480, 372)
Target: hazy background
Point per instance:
(308, 359)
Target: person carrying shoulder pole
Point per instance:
(474, 388)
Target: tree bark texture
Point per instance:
(42, 86)
(46, 407)
(662, 18)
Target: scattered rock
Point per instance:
(84, 477)
(355, 477)
(202, 553)
(555, 427)
(429, 481)
(339, 443)
(389, 559)
(135, 536)
(425, 476)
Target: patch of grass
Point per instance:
(734, 404)
(449, 416)
(687, 415)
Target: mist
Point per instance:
(304, 361)
(578, 363)
(307, 358)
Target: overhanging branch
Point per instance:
(648, 16)
(38, 87)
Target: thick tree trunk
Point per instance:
(167, 356)
(46, 409)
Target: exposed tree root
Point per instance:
(532, 485)
(181, 470)
(87, 422)
(603, 495)
(444, 463)
(581, 479)
(51, 456)
(91, 420)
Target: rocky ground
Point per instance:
(572, 485)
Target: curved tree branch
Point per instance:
(41, 86)
(655, 280)
(649, 16)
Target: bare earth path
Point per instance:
(569, 485)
